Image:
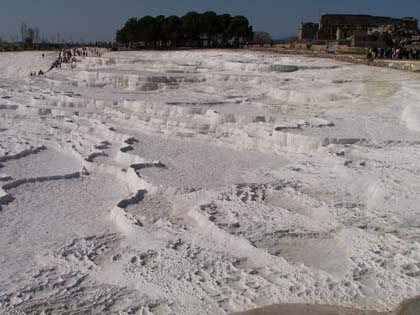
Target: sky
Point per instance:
(98, 20)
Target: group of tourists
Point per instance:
(68, 55)
(34, 74)
(393, 53)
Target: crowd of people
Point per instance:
(394, 53)
(68, 55)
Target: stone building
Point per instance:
(350, 27)
(308, 31)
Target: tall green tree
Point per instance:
(191, 25)
(223, 24)
(209, 26)
(172, 29)
(149, 30)
(130, 33)
(156, 32)
(240, 29)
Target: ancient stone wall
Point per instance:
(340, 26)
(308, 31)
(336, 26)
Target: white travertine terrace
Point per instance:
(206, 182)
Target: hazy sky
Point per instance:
(99, 19)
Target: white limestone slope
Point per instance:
(206, 182)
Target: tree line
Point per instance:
(194, 29)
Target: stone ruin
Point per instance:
(341, 27)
